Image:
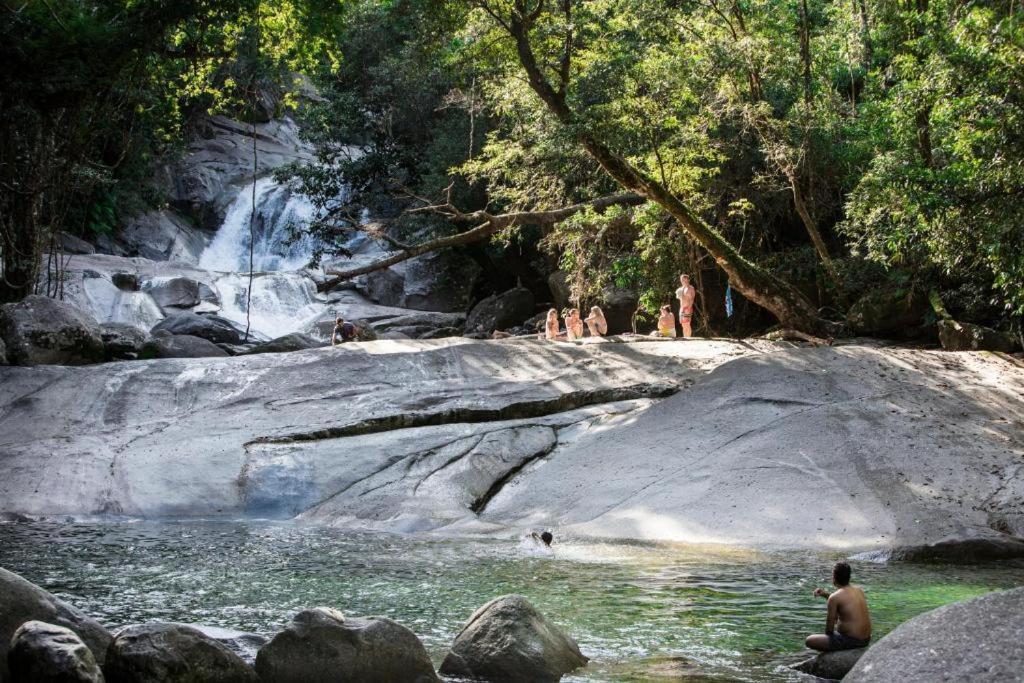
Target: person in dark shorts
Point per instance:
(848, 624)
(343, 332)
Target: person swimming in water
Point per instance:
(544, 537)
(848, 623)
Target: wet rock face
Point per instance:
(210, 327)
(44, 331)
(501, 311)
(45, 653)
(509, 640)
(981, 639)
(21, 601)
(161, 236)
(180, 346)
(321, 644)
(831, 665)
(172, 653)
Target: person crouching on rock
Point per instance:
(848, 624)
(666, 322)
(573, 325)
(343, 332)
(596, 323)
(551, 326)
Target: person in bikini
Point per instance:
(573, 325)
(686, 294)
(666, 322)
(596, 322)
(551, 328)
(848, 624)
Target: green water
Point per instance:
(731, 615)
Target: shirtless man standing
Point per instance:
(848, 624)
(686, 294)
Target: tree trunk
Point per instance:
(780, 298)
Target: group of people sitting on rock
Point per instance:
(595, 322)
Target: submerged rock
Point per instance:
(43, 331)
(46, 653)
(978, 640)
(509, 640)
(161, 652)
(210, 327)
(22, 601)
(180, 346)
(501, 311)
(321, 645)
(831, 665)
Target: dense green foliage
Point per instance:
(843, 144)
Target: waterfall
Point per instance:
(277, 209)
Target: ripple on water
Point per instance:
(640, 612)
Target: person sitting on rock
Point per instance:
(344, 331)
(551, 326)
(848, 624)
(596, 323)
(666, 322)
(573, 325)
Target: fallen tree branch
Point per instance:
(487, 225)
(789, 333)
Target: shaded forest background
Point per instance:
(862, 153)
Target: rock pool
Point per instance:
(639, 611)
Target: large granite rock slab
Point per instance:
(981, 639)
(321, 645)
(46, 653)
(509, 640)
(907, 452)
(43, 331)
(210, 327)
(161, 236)
(22, 601)
(180, 346)
(161, 652)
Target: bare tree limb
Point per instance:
(486, 225)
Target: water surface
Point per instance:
(729, 615)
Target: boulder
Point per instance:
(22, 601)
(957, 336)
(509, 640)
(831, 665)
(122, 341)
(162, 236)
(439, 281)
(46, 653)
(161, 652)
(126, 282)
(44, 331)
(289, 342)
(3, 352)
(974, 640)
(210, 327)
(179, 292)
(891, 313)
(322, 645)
(558, 283)
(70, 244)
(501, 311)
(618, 306)
(180, 346)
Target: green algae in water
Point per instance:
(640, 612)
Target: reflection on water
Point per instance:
(638, 611)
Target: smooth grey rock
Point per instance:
(3, 352)
(509, 640)
(831, 665)
(892, 313)
(957, 336)
(46, 653)
(501, 311)
(22, 601)
(70, 244)
(122, 341)
(981, 639)
(440, 281)
(180, 346)
(618, 306)
(289, 342)
(558, 283)
(180, 292)
(161, 652)
(321, 645)
(162, 236)
(210, 327)
(43, 331)
(127, 282)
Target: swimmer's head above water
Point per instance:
(547, 538)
